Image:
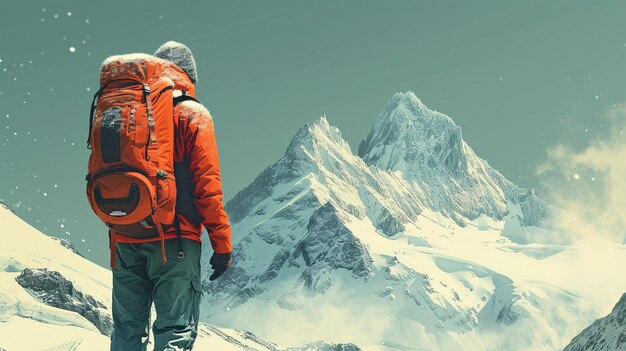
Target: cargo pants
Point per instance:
(140, 279)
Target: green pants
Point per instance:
(140, 279)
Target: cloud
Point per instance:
(330, 317)
(589, 184)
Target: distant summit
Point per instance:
(428, 147)
(409, 137)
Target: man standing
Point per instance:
(140, 277)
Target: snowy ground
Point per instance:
(484, 292)
(27, 324)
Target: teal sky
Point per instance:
(509, 73)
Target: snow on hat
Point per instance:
(180, 55)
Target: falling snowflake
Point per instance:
(576, 176)
(72, 49)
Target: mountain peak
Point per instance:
(409, 137)
(408, 98)
(316, 138)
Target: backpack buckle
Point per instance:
(181, 255)
(146, 89)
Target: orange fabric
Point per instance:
(141, 90)
(195, 141)
(117, 184)
(132, 127)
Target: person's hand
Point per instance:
(220, 263)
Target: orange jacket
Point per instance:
(196, 151)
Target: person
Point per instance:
(140, 278)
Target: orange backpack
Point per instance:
(130, 181)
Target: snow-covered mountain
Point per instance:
(605, 334)
(427, 147)
(417, 244)
(54, 299)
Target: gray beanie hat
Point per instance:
(180, 55)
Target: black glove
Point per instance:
(220, 263)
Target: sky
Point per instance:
(518, 77)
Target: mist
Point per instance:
(588, 184)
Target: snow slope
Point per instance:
(605, 334)
(21, 315)
(28, 324)
(416, 245)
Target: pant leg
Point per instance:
(176, 294)
(132, 299)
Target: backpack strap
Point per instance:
(93, 109)
(183, 97)
(148, 100)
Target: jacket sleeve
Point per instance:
(201, 151)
